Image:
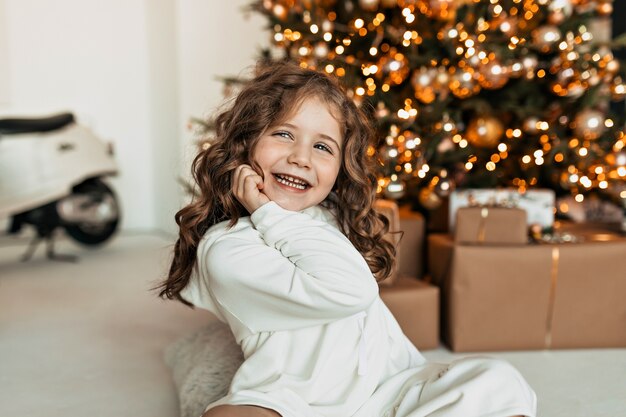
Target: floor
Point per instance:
(87, 339)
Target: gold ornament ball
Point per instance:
(462, 83)
(605, 8)
(618, 89)
(484, 131)
(370, 5)
(616, 160)
(507, 25)
(445, 145)
(423, 82)
(530, 63)
(575, 89)
(444, 187)
(280, 11)
(612, 66)
(530, 125)
(321, 50)
(562, 7)
(395, 66)
(546, 36)
(493, 75)
(443, 9)
(589, 124)
(556, 17)
(428, 198)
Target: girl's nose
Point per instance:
(300, 155)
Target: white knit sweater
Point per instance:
(316, 337)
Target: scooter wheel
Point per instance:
(93, 233)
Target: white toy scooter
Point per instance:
(50, 177)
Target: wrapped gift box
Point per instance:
(406, 229)
(491, 225)
(531, 296)
(415, 305)
(538, 204)
(412, 246)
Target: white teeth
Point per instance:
(296, 180)
(291, 182)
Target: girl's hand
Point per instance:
(247, 188)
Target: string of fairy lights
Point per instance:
(471, 92)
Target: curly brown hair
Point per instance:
(269, 99)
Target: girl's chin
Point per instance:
(291, 205)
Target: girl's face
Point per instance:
(300, 157)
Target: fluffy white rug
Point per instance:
(203, 365)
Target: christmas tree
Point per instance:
(471, 93)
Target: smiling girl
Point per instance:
(283, 245)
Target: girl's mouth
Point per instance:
(293, 182)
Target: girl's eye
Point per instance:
(283, 134)
(323, 147)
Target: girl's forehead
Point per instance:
(332, 108)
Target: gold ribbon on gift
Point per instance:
(554, 275)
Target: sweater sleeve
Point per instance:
(303, 272)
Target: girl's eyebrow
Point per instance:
(323, 135)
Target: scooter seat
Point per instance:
(12, 126)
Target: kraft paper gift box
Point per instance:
(414, 303)
(548, 296)
(406, 229)
(538, 203)
(411, 251)
(491, 225)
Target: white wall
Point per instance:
(215, 39)
(135, 71)
(161, 25)
(4, 58)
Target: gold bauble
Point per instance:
(556, 17)
(493, 75)
(530, 125)
(462, 83)
(444, 187)
(280, 11)
(618, 89)
(395, 67)
(568, 80)
(604, 8)
(507, 25)
(370, 5)
(589, 124)
(559, 11)
(423, 81)
(443, 78)
(530, 62)
(443, 9)
(484, 131)
(612, 66)
(546, 36)
(428, 198)
(321, 50)
(617, 159)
